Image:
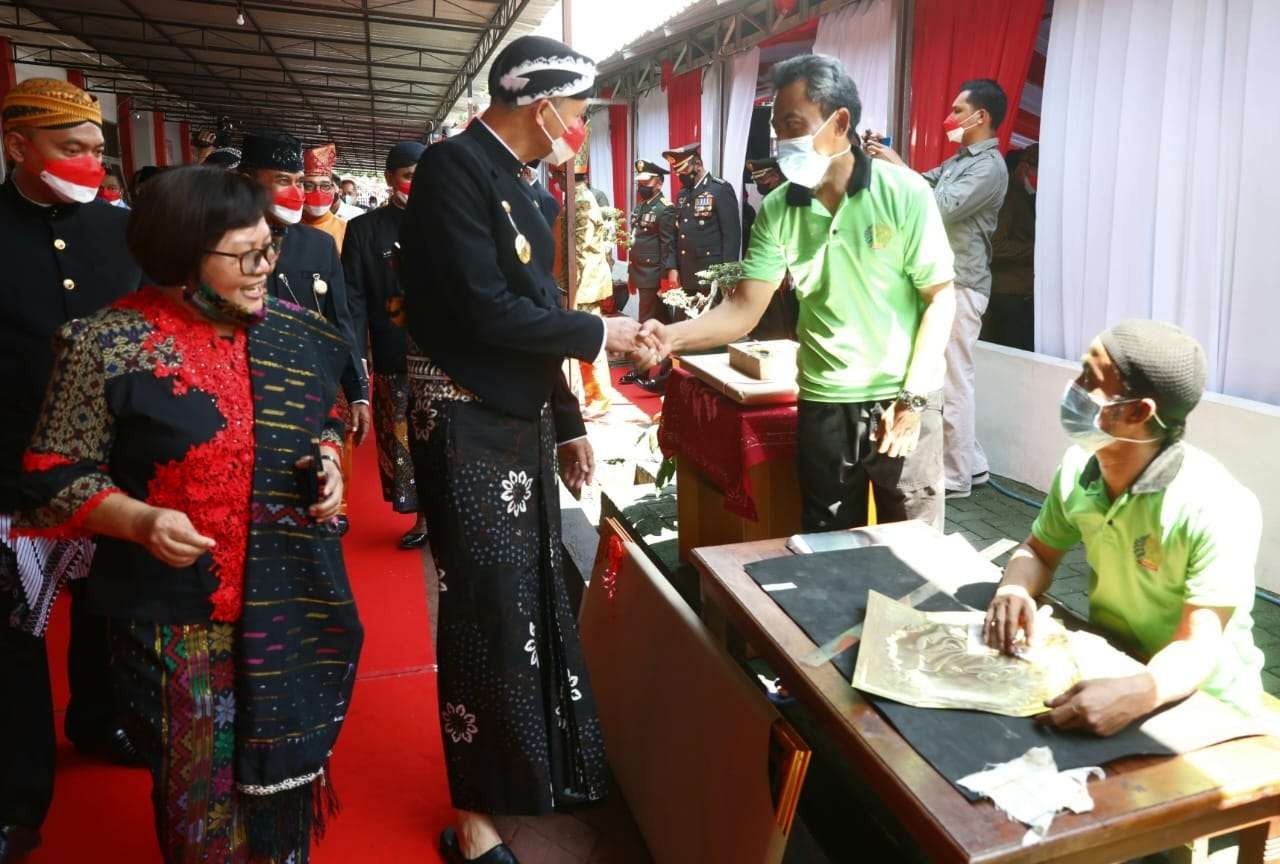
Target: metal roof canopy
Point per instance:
(699, 35)
(360, 73)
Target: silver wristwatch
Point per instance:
(913, 401)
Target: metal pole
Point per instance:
(570, 182)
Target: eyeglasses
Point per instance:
(251, 262)
(324, 186)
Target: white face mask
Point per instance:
(801, 163)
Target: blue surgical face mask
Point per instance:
(1081, 419)
(800, 163)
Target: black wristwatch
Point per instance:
(913, 401)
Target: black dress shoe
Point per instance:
(656, 385)
(500, 854)
(114, 746)
(413, 540)
(16, 842)
(632, 377)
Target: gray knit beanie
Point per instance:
(1160, 361)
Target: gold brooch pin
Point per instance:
(524, 251)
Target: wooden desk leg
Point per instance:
(1196, 852)
(714, 620)
(1260, 844)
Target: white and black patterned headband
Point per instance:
(534, 68)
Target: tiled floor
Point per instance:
(599, 835)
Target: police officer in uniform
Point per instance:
(653, 251)
(65, 258)
(708, 221)
(708, 230)
(308, 272)
(779, 320)
(765, 174)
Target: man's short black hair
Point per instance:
(826, 83)
(185, 213)
(988, 95)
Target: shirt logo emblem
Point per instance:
(1146, 552)
(878, 235)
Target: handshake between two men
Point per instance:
(645, 345)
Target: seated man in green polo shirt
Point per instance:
(1171, 536)
(872, 268)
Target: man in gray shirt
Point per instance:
(969, 188)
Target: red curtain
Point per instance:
(684, 108)
(157, 138)
(184, 137)
(124, 128)
(619, 132)
(956, 40)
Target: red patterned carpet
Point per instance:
(388, 767)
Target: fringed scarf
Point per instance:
(300, 635)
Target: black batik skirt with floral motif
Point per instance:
(521, 735)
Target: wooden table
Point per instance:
(1144, 805)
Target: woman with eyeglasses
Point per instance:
(190, 427)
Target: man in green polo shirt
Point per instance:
(1171, 536)
(867, 250)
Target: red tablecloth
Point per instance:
(723, 439)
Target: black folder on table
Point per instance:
(830, 596)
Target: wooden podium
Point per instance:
(704, 521)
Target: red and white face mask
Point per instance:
(955, 128)
(401, 192)
(111, 196)
(287, 205)
(318, 203)
(75, 180)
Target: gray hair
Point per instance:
(826, 84)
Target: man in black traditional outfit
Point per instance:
(370, 260)
(308, 272)
(65, 257)
(491, 412)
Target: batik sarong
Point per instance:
(521, 734)
(391, 432)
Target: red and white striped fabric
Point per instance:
(74, 180)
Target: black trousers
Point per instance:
(28, 744)
(1010, 320)
(838, 463)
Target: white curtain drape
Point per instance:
(743, 74)
(861, 36)
(653, 134)
(600, 154)
(1157, 200)
(711, 120)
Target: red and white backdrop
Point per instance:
(713, 105)
(956, 40)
